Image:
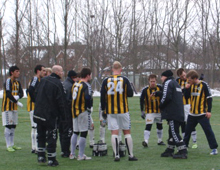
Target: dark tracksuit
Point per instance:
(172, 110)
(50, 108)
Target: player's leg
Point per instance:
(160, 133)
(74, 138)
(33, 134)
(113, 126)
(91, 133)
(102, 130)
(190, 125)
(149, 121)
(125, 124)
(206, 126)
(15, 122)
(84, 122)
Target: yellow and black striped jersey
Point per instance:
(114, 92)
(81, 98)
(11, 88)
(199, 94)
(182, 84)
(30, 95)
(150, 104)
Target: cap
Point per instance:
(72, 73)
(167, 73)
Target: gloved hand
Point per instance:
(16, 97)
(19, 104)
(143, 115)
(104, 115)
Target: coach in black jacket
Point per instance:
(171, 106)
(50, 107)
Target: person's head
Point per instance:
(116, 67)
(48, 71)
(193, 77)
(40, 71)
(78, 76)
(86, 74)
(14, 71)
(152, 79)
(166, 74)
(58, 70)
(181, 73)
(73, 75)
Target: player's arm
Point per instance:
(21, 93)
(103, 94)
(8, 91)
(32, 88)
(142, 97)
(88, 98)
(208, 96)
(130, 91)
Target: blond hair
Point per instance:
(116, 65)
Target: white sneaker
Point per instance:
(72, 156)
(214, 152)
(83, 158)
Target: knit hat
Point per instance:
(167, 73)
(72, 73)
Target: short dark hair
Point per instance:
(180, 71)
(85, 71)
(38, 67)
(192, 74)
(152, 76)
(12, 69)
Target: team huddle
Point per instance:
(68, 105)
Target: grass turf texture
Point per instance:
(148, 158)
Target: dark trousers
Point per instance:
(192, 122)
(174, 131)
(65, 133)
(47, 134)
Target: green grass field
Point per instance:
(148, 158)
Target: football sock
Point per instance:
(159, 135)
(115, 144)
(102, 133)
(194, 136)
(91, 137)
(7, 136)
(129, 144)
(146, 135)
(119, 135)
(12, 136)
(82, 145)
(73, 143)
(34, 138)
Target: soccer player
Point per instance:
(171, 107)
(200, 110)
(182, 81)
(81, 110)
(50, 108)
(40, 72)
(150, 110)
(12, 93)
(114, 104)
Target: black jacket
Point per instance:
(171, 104)
(50, 101)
